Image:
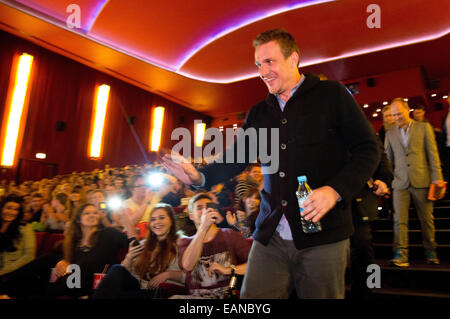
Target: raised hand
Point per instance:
(211, 216)
(231, 218)
(181, 169)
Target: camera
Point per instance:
(155, 180)
(102, 206)
(114, 203)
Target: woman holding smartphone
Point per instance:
(148, 264)
(247, 211)
(88, 246)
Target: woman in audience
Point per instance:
(148, 264)
(57, 213)
(17, 242)
(121, 187)
(76, 199)
(86, 244)
(90, 246)
(246, 213)
(253, 177)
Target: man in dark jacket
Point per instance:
(324, 135)
(445, 143)
(365, 210)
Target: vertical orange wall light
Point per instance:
(199, 134)
(16, 109)
(98, 121)
(156, 132)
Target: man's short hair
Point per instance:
(401, 101)
(385, 109)
(419, 107)
(195, 199)
(284, 39)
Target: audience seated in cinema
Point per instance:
(177, 192)
(251, 177)
(57, 198)
(97, 199)
(37, 201)
(77, 199)
(17, 241)
(222, 194)
(149, 264)
(143, 199)
(87, 244)
(212, 254)
(57, 213)
(121, 188)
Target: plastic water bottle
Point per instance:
(303, 191)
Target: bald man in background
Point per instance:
(411, 149)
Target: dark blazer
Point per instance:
(324, 135)
(444, 132)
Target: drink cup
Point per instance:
(53, 276)
(97, 279)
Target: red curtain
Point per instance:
(63, 90)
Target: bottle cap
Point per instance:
(301, 179)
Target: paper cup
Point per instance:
(53, 276)
(97, 279)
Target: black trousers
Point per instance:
(119, 283)
(362, 255)
(30, 280)
(446, 163)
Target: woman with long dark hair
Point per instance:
(91, 247)
(17, 242)
(147, 264)
(247, 211)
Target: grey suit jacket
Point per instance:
(418, 164)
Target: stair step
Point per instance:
(414, 223)
(416, 251)
(419, 281)
(415, 265)
(418, 275)
(415, 236)
(407, 293)
(437, 212)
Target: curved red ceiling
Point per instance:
(190, 37)
(57, 9)
(325, 31)
(165, 32)
(323, 35)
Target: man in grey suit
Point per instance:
(411, 149)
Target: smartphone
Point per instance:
(136, 242)
(213, 206)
